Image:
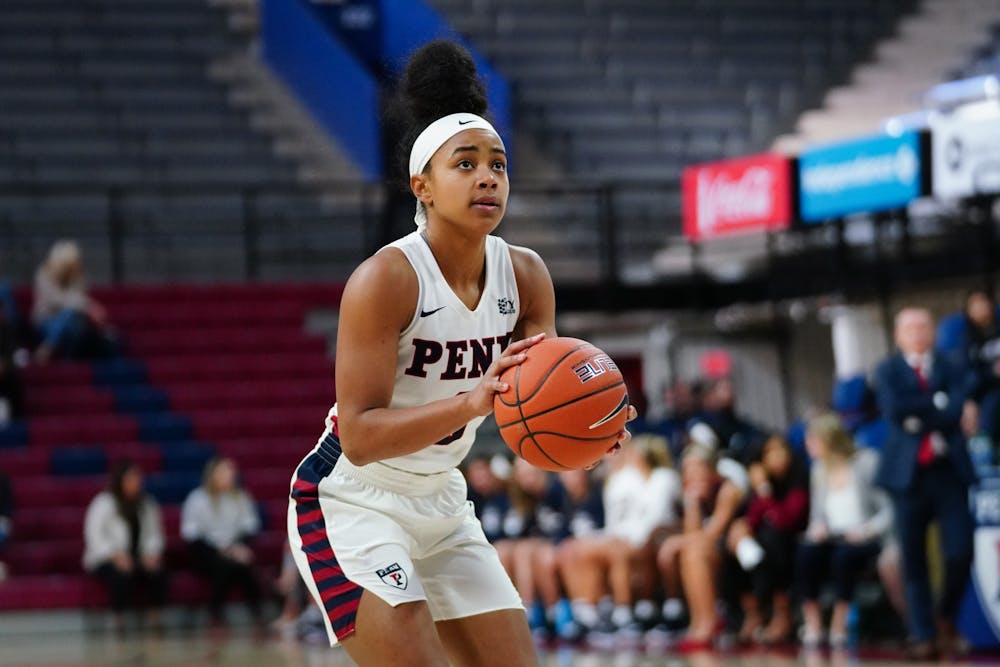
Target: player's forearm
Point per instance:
(383, 433)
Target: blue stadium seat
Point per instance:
(165, 427)
(15, 434)
(852, 400)
(872, 434)
(140, 398)
(190, 456)
(119, 371)
(171, 488)
(78, 460)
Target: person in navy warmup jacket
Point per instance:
(926, 468)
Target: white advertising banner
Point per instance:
(965, 156)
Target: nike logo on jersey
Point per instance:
(425, 313)
(466, 122)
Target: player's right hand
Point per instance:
(480, 399)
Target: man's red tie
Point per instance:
(925, 454)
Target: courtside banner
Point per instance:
(966, 157)
(866, 175)
(751, 194)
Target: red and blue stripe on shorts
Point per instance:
(340, 596)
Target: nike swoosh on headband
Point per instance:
(611, 415)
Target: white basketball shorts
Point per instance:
(401, 536)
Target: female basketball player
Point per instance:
(379, 522)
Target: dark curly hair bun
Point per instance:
(441, 79)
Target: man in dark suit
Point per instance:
(926, 468)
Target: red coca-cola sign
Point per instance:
(749, 194)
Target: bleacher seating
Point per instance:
(634, 91)
(985, 58)
(108, 109)
(208, 371)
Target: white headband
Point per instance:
(433, 138)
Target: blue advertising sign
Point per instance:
(872, 174)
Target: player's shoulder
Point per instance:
(524, 257)
(388, 269)
(529, 268)
(385, 283)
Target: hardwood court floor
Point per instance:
(241, 648)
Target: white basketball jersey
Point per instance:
(446, 348)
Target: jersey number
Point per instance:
(448, 439)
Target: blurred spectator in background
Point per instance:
(579, 515)
(6, 518)
(11, 390)
(693, 558)
(487, 480)
(123, 543)
(738, 438)
(764, 541)
(218, 520)
(849, 520)
(640, 498)
(683, 403)
(981, 353)
(528, 488)
(69, 321)
(927, 469)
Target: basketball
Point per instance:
(565, 405)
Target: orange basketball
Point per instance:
(565, 405)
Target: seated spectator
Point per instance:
(11, 391)
(579, 515)
(691, 561)
(849, 520)
(981, 355)
(738, 439)
(640, 499)
(764, 541)
(487, 479)
(70, 322)
(218, 520)
(683, 407)
(123, 543)
(6, 517)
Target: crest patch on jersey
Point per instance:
(393, 575)
(506, 306)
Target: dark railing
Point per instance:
(128, 230)
(605, 243)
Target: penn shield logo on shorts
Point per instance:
(393, 575)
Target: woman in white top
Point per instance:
(849, 519)
(217, 521)
(639, 497)
(123, 542)
(68, 319)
